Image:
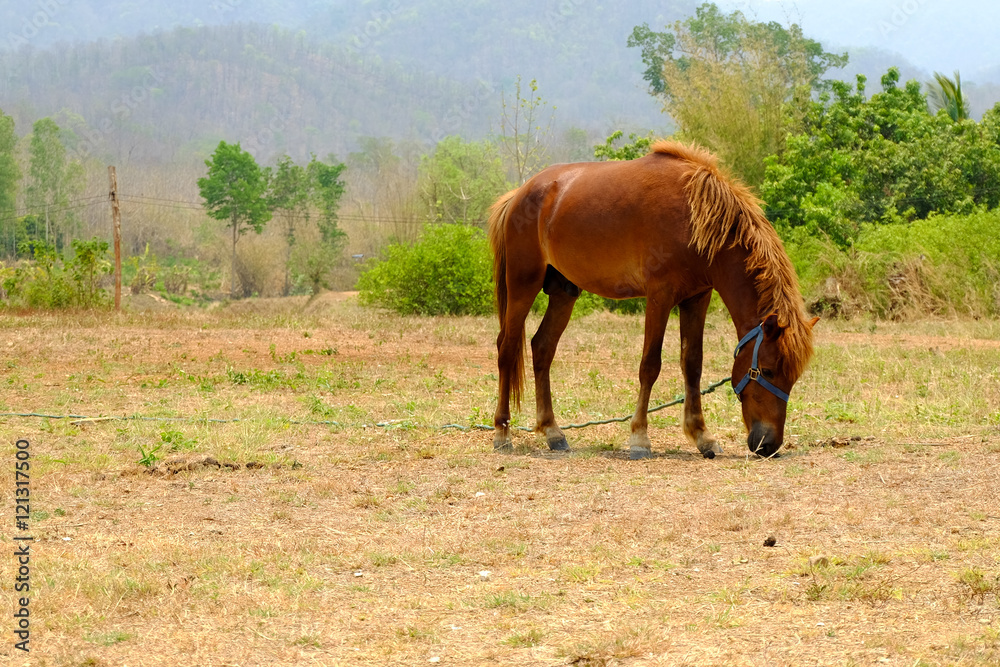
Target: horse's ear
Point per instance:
(770, 327)
(813, 321)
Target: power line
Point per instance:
(62, 209)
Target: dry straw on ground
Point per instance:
(406, 544)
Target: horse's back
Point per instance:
(609, 227)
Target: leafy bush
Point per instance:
(48, 282)
(880, 160)
(447, 271)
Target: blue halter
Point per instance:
(754, 372)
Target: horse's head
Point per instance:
(763, 379)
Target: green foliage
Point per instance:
(460, 180)
(944, 93)
(293, 193)
(636, 147)
(326, 187)
(144, 269)
(49, 283)
(89, 265)
(880, 160)
(314, 262)
(235, 189)
(149, 456)
(448, 271)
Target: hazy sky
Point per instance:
(934, 35)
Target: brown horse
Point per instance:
(671, 227)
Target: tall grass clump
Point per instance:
(446, 271)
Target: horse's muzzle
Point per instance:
(762, 440)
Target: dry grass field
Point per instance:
(336, 523)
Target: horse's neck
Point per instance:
(737, 289)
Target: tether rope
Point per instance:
(383, 424)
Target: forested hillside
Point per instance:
(374, 69)
(161, 96)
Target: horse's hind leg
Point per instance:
(510, 346)
(543, 350)
(692, 325)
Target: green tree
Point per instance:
(879, 160)
(945, 93)
(634, 148)
(326, 189)
(10, 175)
(235, 192)
(316, 261)
(731, 84)
(288, 196)
(460, 180)
(52, 180)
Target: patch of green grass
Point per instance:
(109, 638)
(514, 600)
(526, 639)
(976, 584)
(381, 559)
(864, 457)
(308, 641)
(581, 573)
(849, 578)
(416, 633)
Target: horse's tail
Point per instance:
(498, 242)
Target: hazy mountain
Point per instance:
(158, 80)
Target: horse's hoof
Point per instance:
(559, 444)
(710, 449)
(505, 447)
(636, 453)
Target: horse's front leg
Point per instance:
(657, 312)
(543, 350)
(692, 326)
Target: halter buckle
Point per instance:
(754, 373)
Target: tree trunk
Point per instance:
(232, 278)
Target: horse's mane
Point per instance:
(722, 206)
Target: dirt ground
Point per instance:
(337, 523)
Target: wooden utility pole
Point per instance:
(116, 219)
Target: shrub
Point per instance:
(48, 282)
(943, 265)
(447, 271)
